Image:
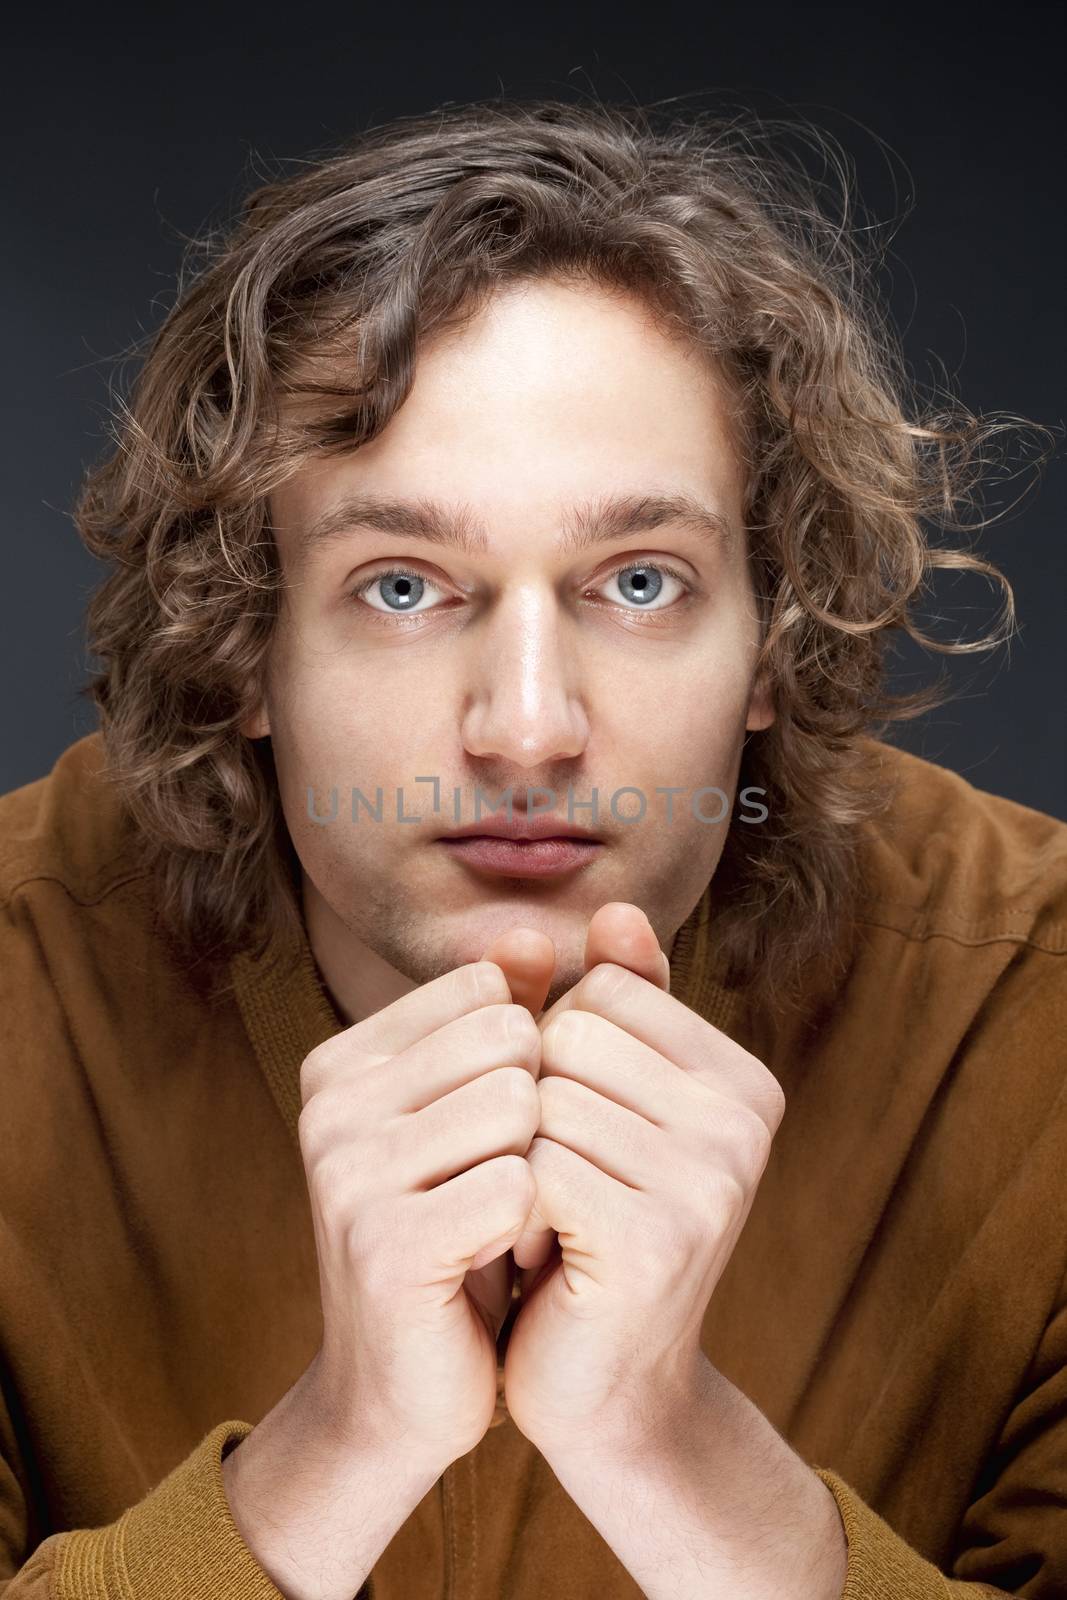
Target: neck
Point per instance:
(357, 979)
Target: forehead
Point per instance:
(552, 401)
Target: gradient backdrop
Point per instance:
(126, 133)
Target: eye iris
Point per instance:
(645, 583)
(405, 591)
(401, 591)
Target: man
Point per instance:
(643, 1172)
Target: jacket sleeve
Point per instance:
(1012, 1539)
(177, 1543)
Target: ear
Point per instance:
(256, 725)
(760, 707)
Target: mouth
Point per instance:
(549, 857)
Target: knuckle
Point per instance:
(767, 1094)
(565, 1030)
(505, 1186)
(512, 1170)
(751, 1142)
(513, 1174)
(773, 1100)
(605, 985)
(486, 984)
(540, 1150)
(509, 1028)
(326, 1174)
(727, 1197)
(311, 1128)
(552, 1032)
(516, 1089)
(556, 1093)
(492, 1026)
(313, 1073)
(521, 1028)
(548, 1090)
(327, 1061)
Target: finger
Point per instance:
(527, 959)
(586, 1207)
(618, 932)
(530, 1277)
(630, 1112)
(621, 1142)
(421, 1012)
(621, 932)
(534, 1245)
(675, 1032)
(586, 1048)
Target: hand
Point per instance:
(413, 1132)
(655, 1130)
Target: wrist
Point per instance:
(640, 1428)
(309, 1485)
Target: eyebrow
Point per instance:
(601, 520)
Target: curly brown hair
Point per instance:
(298, 332)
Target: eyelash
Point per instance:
(627, 566)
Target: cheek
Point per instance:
(349, 730)
(687, 715)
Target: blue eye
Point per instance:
(641, 584)
(400, 589)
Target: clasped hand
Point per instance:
(655, 1131)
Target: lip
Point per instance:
(546, 857)
(520, 828)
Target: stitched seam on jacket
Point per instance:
(51, 877)
(1052, 939)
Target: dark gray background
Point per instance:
(126, 134)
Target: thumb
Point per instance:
(527, 959)
(621, 932)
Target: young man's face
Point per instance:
(530, 658)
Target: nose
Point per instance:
(523, 705)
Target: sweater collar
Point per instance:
(288, 1011)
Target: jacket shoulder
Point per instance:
(949, 859)
(68, 826)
